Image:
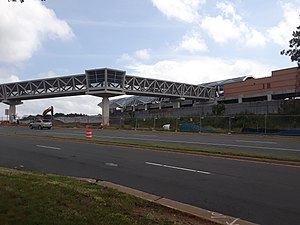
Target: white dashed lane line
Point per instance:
(111, 164)
(177, 168)
(48, 147)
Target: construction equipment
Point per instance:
(50, 109)
(40, 122)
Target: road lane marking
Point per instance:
(190, 142)
(178, 168)
(233, 222)
(111, 164)
(49, 147)
(78, 133)
(259, 142)
(143, 135)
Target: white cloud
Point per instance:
(48, 74)
(230, 26)
(220, 29)
(7, 76)
(255, 38)
(86, 104)
(23, 26)
(193, 43)
(143, 54)
(282, 33)
(185, 10)
(228, 10)
(200, 69)
(135, 57)
(126, 58)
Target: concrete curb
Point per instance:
(195, 211)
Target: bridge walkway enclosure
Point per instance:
(105, 83)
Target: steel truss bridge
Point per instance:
(104, 83)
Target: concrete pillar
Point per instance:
(105, 111)
(12, 111)
(146, 107)
(240, 100)
(176, 105)
(159, 105)
(269, 97)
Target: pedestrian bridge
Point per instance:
(104, 83)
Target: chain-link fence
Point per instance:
(260, 124)
(255, 124)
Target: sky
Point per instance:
(191, 41)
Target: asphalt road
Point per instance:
(240, 143)
(260, 193)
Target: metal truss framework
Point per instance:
(45, 88)
(102, 82)
(154, 87)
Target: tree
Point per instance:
(294, 47)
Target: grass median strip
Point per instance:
(35, 198)
(184, 149)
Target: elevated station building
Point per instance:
(239, 95)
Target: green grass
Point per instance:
(40, 199)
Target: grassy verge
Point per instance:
(34, 198)
(207, 151)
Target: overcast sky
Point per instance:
(192, 41)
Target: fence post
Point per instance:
(265, 123)
(154, 123)
(229, 124)
(201, 117)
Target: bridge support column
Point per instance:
(176, 105)
(105, 111)
(12, 111)
(269, 97)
